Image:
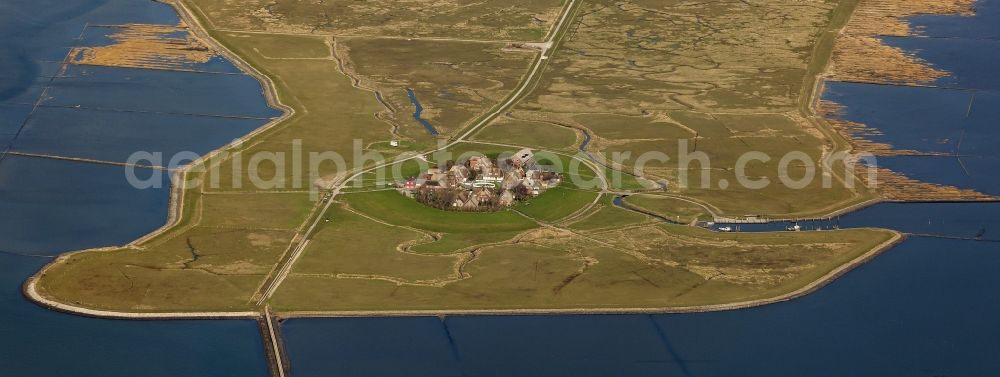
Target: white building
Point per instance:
(523, 157)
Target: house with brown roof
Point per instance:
(506, 199)
(479, 183)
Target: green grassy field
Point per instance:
(606, 215)
(202, 269)
(556, 203)
(577, 273)
(744, 84)
(349, 247)
(390, 206)
(330, 115)
(673, 209)
(505, 19)
(450, 243)
(724, 139)
(536, 134)
(454, 81)
(283, 211)
(637, 75)
(613, 126)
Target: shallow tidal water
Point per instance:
(51, 206)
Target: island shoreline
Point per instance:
(31, 292)
(176, 211)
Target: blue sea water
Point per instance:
(968, 60)
(960, 123)
(161, 91)
(927, 120)
(922, 309)
(416, 346)
(981, 26)
(12, 116)
(40, 342)
(958, 119)
(116, 135)
(51, 206)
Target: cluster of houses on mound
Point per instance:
(482, 184)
